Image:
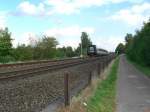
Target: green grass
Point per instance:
(144, 69)
(103, 99)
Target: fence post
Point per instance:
(90, 78)
(98, 68)
(101, 67)
(107, 60)
(104, 65)
(66, 89)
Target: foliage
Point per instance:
(85, 40)
(5, 45)
(85, 43)
(120, 49)
(61, 52)
(23, 53)
(6, 59)
(44, 48)
(65, 52)
(5, 42)
(103, 99)
(69, 52)
(138, 46)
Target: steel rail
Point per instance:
(33, 71)
(35, 62)
(39, 66)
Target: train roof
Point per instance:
(102, 49)
(98, 48)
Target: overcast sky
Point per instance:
(106, 21)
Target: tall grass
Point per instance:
(103, 99)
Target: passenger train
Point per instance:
(93, 51)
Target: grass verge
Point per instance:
(103, 99)
(144, 69)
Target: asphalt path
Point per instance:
(133, 88)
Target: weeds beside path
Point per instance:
(104, 98)
(99, 96)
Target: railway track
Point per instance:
(32, 87)
(34, 68)
(5, 67)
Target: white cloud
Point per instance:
(26, 38)
(74, 6)
(133, 16)
(74, 30)
(71, 42)
(2, 20)
(61, 7)
(130, 1)
(71, 6)
(30, 9)
(49, 7)
(69, 36)
(109, 43)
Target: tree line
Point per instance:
(137, 46)
(43, 49)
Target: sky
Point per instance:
(105, 21)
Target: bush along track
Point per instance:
(103, 99)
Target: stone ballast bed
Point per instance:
(32, 94)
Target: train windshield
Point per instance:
(91, 49)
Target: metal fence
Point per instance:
(75, 82)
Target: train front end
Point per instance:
(92, 51)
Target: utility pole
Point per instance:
(81, 55)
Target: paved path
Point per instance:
(133, 89)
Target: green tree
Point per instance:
(5, 46)
(128, 38)
(128, 43)
(65, 52)
(138, 49)
(23, 53)
(85, 40)
(60, 52)
(5, 42)
(120, 49)
(46, 48)
(85, 43)
(69, 51)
